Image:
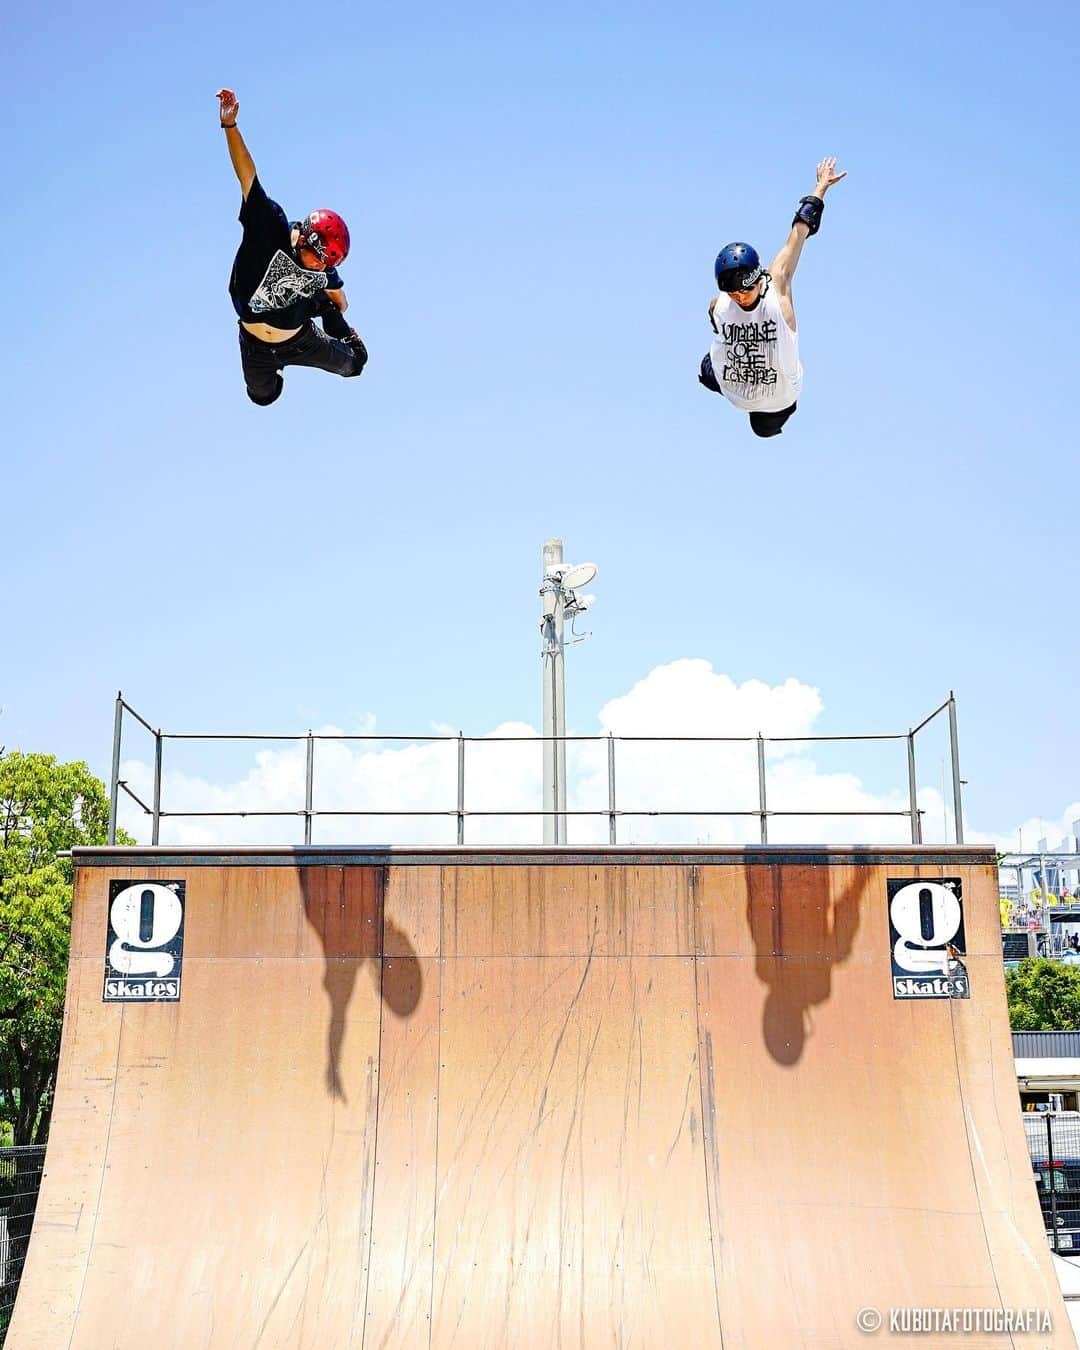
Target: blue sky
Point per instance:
(535, 198)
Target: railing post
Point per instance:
(762, 803)
(114, 782)
(954, 747)
(460, 787)
(1050, 1178)
(611, 788)
(913, 804)
(309, 786)
(159, 743)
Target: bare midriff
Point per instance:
(266, 333)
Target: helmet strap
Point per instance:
(306, 238)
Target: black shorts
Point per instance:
(761, 423)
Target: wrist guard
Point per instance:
(809, 213)
(333, 321)
(358, 349)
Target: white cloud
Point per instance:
(689, 698)
(683, 698)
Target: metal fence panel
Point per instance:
(20, 1181)
(1053, 1139)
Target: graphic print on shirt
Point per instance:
(285, 282)
(749, 353)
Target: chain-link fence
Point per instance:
(1053, 1140)
(20, 1181)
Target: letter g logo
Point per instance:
(145, 918)
(926, 916)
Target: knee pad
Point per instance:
(271, 398)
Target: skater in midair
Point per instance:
(754, 357)
(284, 276)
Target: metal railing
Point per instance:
(20, 1181)
(461, 812)
(1032, 903)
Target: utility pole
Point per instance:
(553, 603)
(558, 603)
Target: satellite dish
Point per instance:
(577, 576)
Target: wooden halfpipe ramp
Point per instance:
(373, 1098)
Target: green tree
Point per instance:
(45, 808)
(1043, 996)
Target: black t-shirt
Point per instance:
(267, 284)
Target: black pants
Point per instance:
(761, 423)
(263, 361)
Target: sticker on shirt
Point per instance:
(749, 353)
(284, 283)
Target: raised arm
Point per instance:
(242, 162)
(804, 225)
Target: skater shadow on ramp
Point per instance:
(348, 912)
(802, 929)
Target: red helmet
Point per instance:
(327, 235)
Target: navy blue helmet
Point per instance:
(737, 267)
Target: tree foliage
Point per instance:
(1043, 996)
(45, 808)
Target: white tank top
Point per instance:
(755, 355)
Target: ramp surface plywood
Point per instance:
(536, 1100)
